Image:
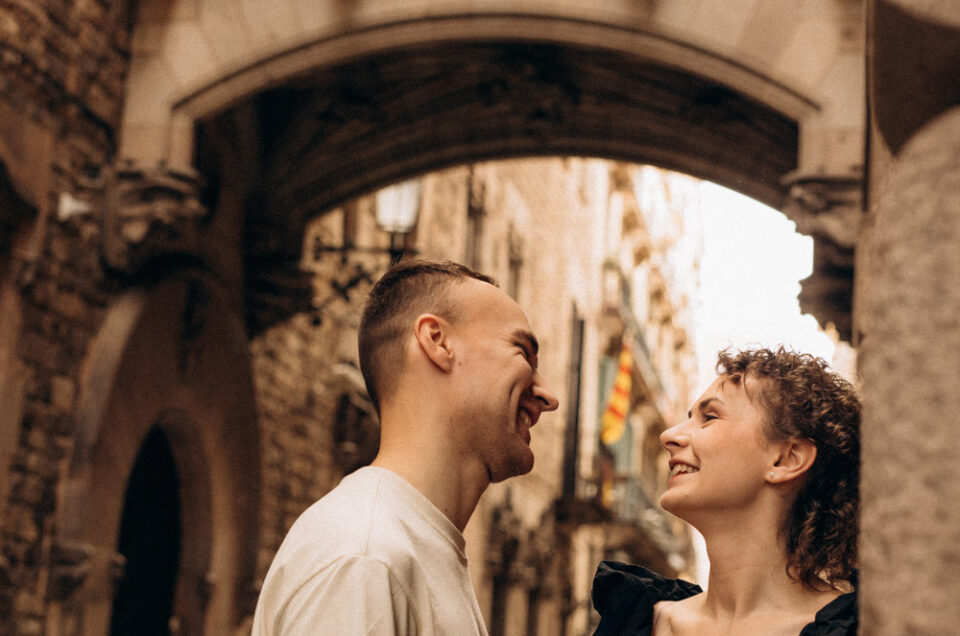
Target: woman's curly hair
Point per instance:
(803, 399)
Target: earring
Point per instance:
(771, 474)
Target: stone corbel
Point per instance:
(70, 565)
(828, 208)
(150, 213)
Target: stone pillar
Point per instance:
(910, 363)
(905, 312)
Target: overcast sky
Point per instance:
(752, 263)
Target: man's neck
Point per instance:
(451, 483)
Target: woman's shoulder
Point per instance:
(836, 618)
(625, 594)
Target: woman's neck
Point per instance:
(746, 571)
(748, 574)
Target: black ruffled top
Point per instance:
(625, 594)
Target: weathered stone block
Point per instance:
(70, 305)
(63, 391)
(28, 489)
(20, 525)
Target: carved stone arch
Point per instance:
(383, 114)
(644, 89)
(358, 114)
(172, 356)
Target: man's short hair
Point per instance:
(409, 289)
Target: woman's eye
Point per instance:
(707, 417)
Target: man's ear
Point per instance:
(433, 337)
(795, 459)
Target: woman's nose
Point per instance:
(677, 435)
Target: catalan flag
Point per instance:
(614, 418)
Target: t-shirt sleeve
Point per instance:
(355, 595)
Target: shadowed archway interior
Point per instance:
(150, 542)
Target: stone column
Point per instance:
(906, 310)
(910, 363)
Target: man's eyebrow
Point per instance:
(704, 403)
(527, 338)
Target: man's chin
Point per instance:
(520, 466)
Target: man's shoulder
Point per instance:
(357, 518)
(349, 594)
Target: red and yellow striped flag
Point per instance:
(615, 415)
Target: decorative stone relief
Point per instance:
(69, 568)
(825, 206)
(828, 208)
(149, 213)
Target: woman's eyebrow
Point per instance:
(704, 403)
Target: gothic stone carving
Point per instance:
(70, 565)
(825, 207)
(829, 209)
(149, 213)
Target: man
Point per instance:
(450, 363)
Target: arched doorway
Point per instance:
(150, 542)
(160, 503)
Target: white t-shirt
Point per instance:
(374, 556)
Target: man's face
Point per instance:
(502, 393)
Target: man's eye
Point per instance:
(707, 417)
(529, 357)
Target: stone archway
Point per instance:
(171, 358)
(193, 62)
(765, 100)
(337, 131)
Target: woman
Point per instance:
(766, 467)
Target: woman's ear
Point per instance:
(433, 338)
(795, 459)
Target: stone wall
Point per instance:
(62, 73)
(62, 307)
(300, 373)
(70, 59)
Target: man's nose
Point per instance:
(546, 400)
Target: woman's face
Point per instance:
(720, 456)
